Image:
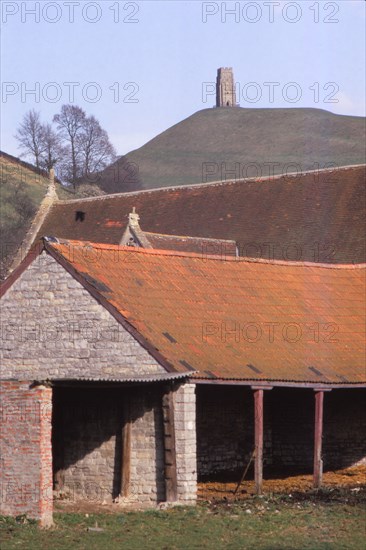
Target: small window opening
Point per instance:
(79, 216)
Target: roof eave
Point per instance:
(277, 383)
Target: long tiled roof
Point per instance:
(240, 319)
(316, 216)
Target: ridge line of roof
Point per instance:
(189, 237)
(242, 259)
(212, 184)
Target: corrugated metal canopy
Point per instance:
(138, 379)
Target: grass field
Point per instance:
(328, 519)
(22, 190)
(227, 143)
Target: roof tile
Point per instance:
(236, 318)
(316, 216)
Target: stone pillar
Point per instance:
(186, 448)
(46, 466)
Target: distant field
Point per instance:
(234, 143)
(332, 520)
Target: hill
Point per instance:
(23, 188)
(22, 191)
(235, 143)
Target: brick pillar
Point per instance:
(46, 467)
(26, 451)
(185, 435)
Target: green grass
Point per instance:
(16, 179)
(239, 139)
(21, 192)
(261, 523)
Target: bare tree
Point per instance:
(70, 122)
(30, 136)
(79, 147)
(53, 152)
(96, 149)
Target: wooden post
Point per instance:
(318, 436)
(258, 438)
(58, 444)
(170, 457)
(126, 450)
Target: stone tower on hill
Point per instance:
(225, 88)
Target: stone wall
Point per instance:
(291, 413)
(87, 444)
(53, 328)
(225, 431)
(147, 447)
(344, 441)
(26, 455)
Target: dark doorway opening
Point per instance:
(87, 442)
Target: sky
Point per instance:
(141, 67)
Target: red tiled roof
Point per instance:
(234, 318)
(317, 216)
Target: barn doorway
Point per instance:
(87, 442)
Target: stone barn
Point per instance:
(128, 374)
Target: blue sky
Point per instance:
(141, 67)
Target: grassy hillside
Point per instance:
(196, 149)
(22, 189)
